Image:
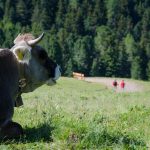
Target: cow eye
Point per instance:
(42, 55)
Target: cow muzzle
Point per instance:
(52, 81)
(57, 73)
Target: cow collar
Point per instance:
(22, 78)
(22, 83)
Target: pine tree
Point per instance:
(148, 70)
(99, 13)
(36, 16)
(36, 12)
(137, 58)
(70, 21)
(2, 5)
(136, 72)
(79, 24)
(123, 61)
(107, 54)
(54, 50)
(10, 11)
(2, 37)
(97, 68)
(60, 15)
(47, 13)
(82, 54)
(63, 37)
(112, 12)
(22, 13)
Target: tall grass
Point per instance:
(80, 115)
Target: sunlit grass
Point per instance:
(80, 115)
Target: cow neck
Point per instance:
(21, 70)
(23, 79)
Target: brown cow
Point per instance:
(25, 62)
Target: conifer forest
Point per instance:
(96, 37)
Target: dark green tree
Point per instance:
(107, 54)
(10, 11)
(22, 15)
(137, 58)
(47, 14)
(136, 71)
(82, 54)
(61, 11)
(123, 62)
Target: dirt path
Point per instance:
(130, 86)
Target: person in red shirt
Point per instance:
(122, 84)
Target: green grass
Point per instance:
(80, 115)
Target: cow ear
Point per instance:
(22, 54)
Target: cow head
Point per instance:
(38, 67)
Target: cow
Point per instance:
(23, 68)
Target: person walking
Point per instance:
(122, 84)
(115, 84)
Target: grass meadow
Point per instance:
(76, 115)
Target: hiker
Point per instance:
(115, 84)
(122, 84)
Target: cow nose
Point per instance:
(57, 72)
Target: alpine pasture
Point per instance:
(76, 114)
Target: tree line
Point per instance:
(95, 37)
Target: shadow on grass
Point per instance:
(41, 133)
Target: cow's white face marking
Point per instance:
(57, 75)
(57, 72)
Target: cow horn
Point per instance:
(35, 41)
(15, 41)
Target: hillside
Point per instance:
(130, 85)
(81, 115)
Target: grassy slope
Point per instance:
(80, 115)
